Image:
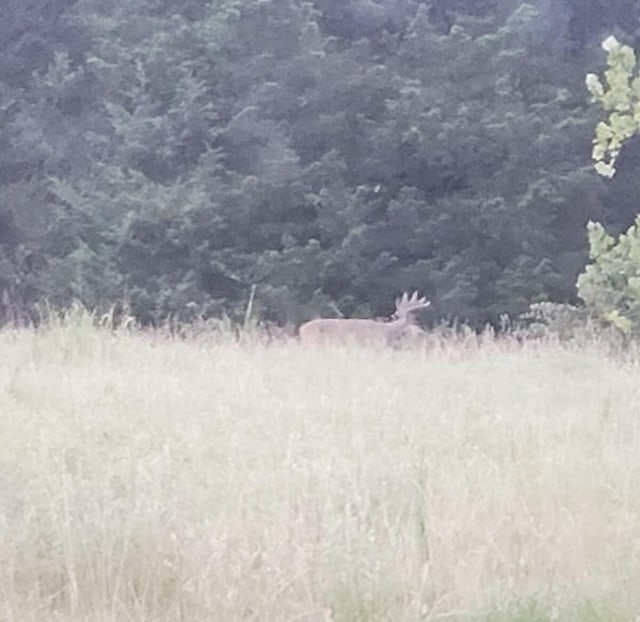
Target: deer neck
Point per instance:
(395, 328)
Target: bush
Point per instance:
(610, 285)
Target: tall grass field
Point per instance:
(145, 477)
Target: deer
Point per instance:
(365, 331)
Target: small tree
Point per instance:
(621, 99)
(610, 286)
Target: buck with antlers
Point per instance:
(365, 331)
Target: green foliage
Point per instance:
(549, 320)
(620, 97)
(610, 285)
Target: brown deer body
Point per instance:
(365, 331)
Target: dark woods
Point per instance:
(168, 156)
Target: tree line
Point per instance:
(326, 155)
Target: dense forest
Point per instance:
(174, 156)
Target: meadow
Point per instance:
(145, 477)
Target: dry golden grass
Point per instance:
(146, 478)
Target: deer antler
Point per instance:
(406, 305)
